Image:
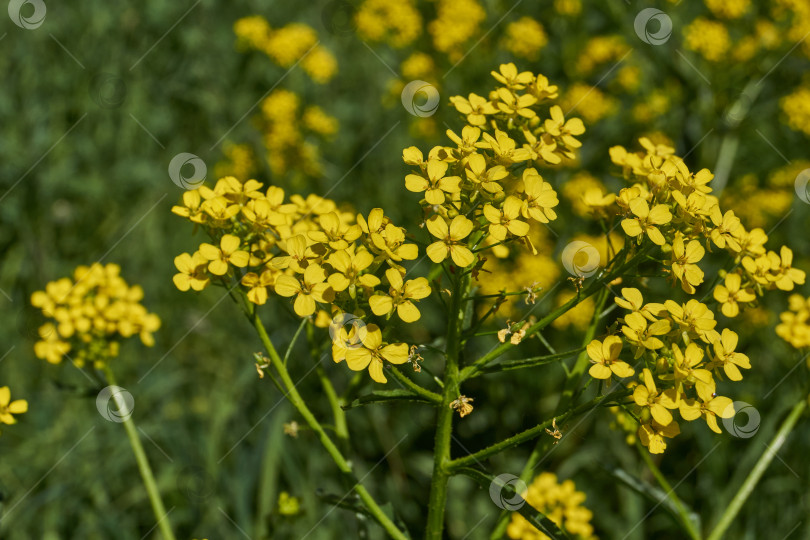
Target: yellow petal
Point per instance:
(381, 304)
(437, 251)
(304, 305)
(375, 369)
(408, 312)
(462, 256)
(287, 286)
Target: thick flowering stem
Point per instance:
(149, 483)
(759, 469)
(444, 420)
(300, 405)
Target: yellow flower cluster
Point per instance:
(9, 408)
(397, 23)
(328, 260)
(239, 161)
(589, 101)
(525, 38)
(418, 66)
(676, 344)
(798, 14)
(796, 107)
(568, 7)
(728, 9)
(285, 141)
(772, 202)
(656, 104)
(708, 38)
(794, 326)
(287, 45)
(560, 502)
(600, 50)
(456, 22)
(90, 313)
(470, 189)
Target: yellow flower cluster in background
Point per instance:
(708, 38)
(397, 23)
(456, 23)
(794, 326)
(239, 161)
(525, 38)
(588, 101)
(287, 45)
(600, 50)
(89, 314)
(560, 502)
(285, 127)
(9, 408)
(796, 107)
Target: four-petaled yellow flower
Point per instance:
(400, 297)
(450, 241)
(647, 395)
(227, 252)
(683, 262)
(436, 185)
(373, 352)
(312, 289)
(506, 220)
(605, 358)
(646, 220)
(192, 272)
(726, 357)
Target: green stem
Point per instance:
(686, 520)
(591, 289)
(300, 405)
(143, 463)
(531, 433)
(759, 469)
(335, 403)
(444, 421)
(415, 388)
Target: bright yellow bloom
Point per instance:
(727, 358)
(646, 220)
(450, 241)
(8, 407)
(308, 291)
(647, 395)
(374, 352)
(436, 184)
(731, 295)
(257, 285)
(191, 272)
(644, 337)
(400, 297)
(560, 502)
(228, 252)
(475, 108)
(683, 260)
(488, 178)
(605, 358)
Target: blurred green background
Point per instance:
(99, 99)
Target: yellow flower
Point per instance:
(694, 318)
(506, 220)
(539, 196)
(525, 38)
(478, 173)
(731, 294)
(712, 407)
(8, 407)
(307, 293)
(373, 352)
(683, 259)
(504, 147)
(633, 300)
(436, 184)
(450, 241)
(192, 272)
(258, 286)
(605, 358)
(642, 336)
(727, 358)
(227, 252)
(646, 220)
(647, 395)
(687, 368)
(400, 297)
(508, 75)
(475, 108)
(564, 131)
(652, 435)
(560, 502)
